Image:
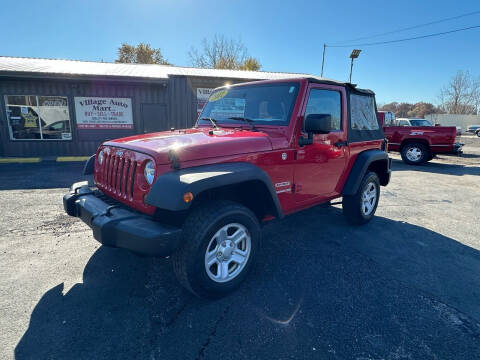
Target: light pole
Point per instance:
(323, 58)
(353, 55)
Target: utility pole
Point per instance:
(323, 58)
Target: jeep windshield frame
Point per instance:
(263, 103)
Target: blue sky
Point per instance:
(283, 35)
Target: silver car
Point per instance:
(473, 128)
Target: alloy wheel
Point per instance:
(228, 252)
(369, 198)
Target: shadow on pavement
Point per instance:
(320, 289)
(437, 168)
(470, 156)
(43, 175)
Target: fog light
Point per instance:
(187, 197)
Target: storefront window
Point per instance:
(38, 117)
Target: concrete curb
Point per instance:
(18, 160)
(72, 158)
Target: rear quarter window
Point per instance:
(362, 113)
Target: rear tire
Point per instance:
(415, 153)
(360, 207)
(478, 133)
(220, 242)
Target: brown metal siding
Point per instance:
(179, 95)
(151, 93)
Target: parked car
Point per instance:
(258, 151)
(413, 122)
(56, 130)
(418, 140)
(473, 128)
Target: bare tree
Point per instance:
(403, 109)
(461, 95)
(418, 110)
(223, 53)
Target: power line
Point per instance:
(411, 27)
(406, 39)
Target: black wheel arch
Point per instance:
(89, 166)
(239, 181)
(369, 160)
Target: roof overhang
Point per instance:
(81, 77)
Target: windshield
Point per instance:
(420, 123)
(267, 104)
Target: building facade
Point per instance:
(454, 120)
(67, 108)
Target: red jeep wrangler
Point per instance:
(258, 151)
(417, 140)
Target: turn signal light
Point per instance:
(187, 197)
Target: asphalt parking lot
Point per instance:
(405, 286)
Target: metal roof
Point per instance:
(20, 66)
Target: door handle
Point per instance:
(339, 144)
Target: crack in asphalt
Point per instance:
(212, 334)
(176, 315)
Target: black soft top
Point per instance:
(351, 87)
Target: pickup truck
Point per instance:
(258, 151)
(418, 144)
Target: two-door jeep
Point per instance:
(258, 151)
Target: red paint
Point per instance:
(440, 139)
(302, 175)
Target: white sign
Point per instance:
(103, 113)
(202, 97)
(228, 107)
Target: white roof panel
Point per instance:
(148, 71)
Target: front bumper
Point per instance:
(389, 171)
(117, 226)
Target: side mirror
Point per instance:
(316, 124)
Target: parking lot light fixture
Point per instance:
(355, 53)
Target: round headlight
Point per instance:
(100, 157)
(149, 171)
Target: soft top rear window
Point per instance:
(363, 114)
(364, 125)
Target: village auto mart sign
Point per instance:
(103, 113)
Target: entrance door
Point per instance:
(154, 117)
(320, 166)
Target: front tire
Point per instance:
(360, 207)
(478, 133)
(415, 153)
(220, 242)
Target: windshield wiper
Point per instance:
(244, 119)
(212, 120)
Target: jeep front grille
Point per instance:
(118, 175)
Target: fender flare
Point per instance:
(359, 169)
(89, 165)
(167, 191)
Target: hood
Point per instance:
(195, 144)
